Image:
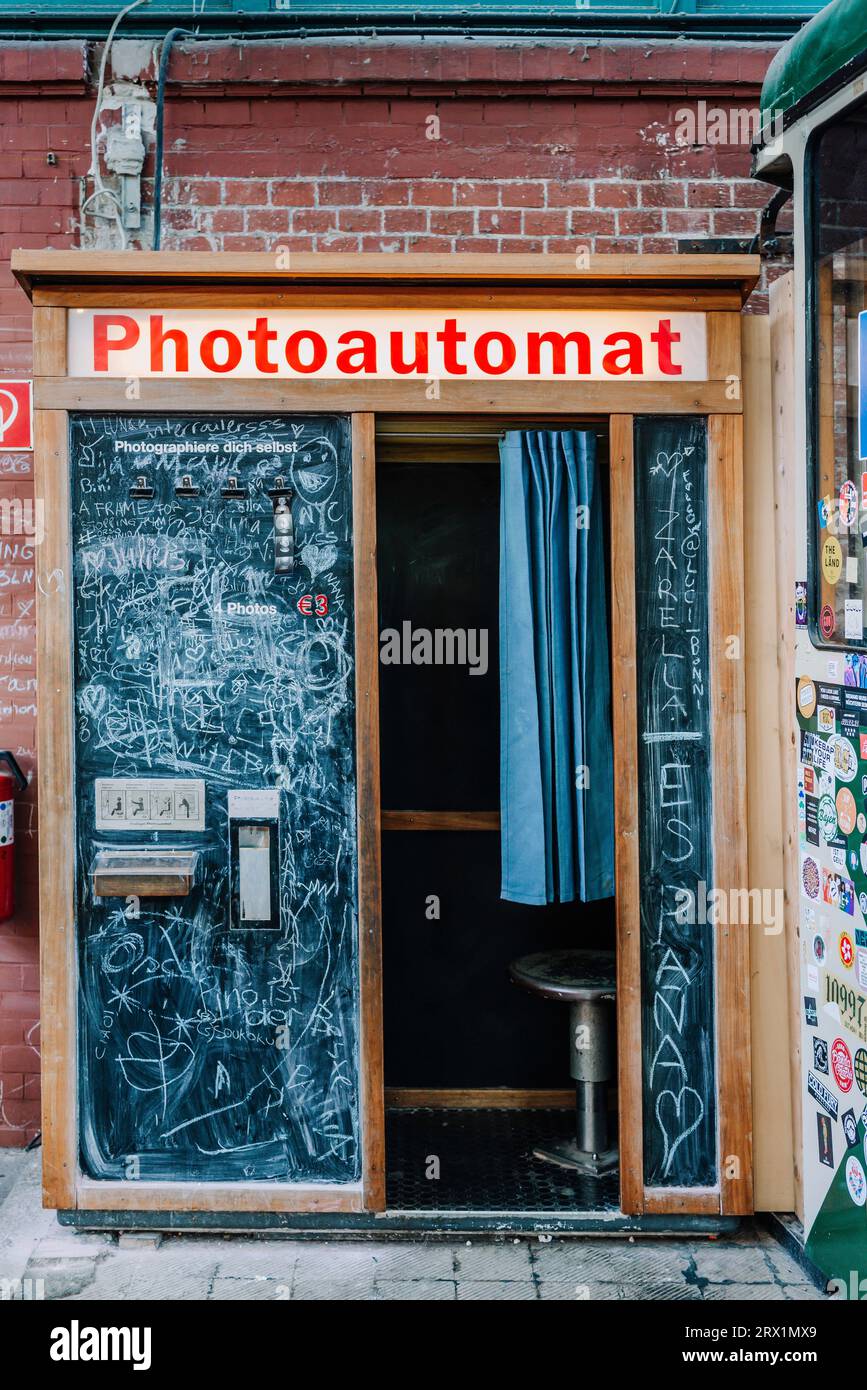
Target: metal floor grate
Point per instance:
(486, 1163)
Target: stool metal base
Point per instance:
(568, 1155)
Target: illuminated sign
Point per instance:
(430, 344)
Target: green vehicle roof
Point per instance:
(821, 58)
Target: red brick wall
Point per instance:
(542, 147)
(42, 108)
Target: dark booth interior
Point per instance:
(476, 1068)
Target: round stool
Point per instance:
(586, 981)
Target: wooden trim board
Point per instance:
(32, 267)
(728, 716)
(214, 1196)
(625, 732)
(773, 1169)
(56, 808)
(441, 820)
(247, 396)
(488, 1098)
(369, 837)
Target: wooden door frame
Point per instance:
(62, 281)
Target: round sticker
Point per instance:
(826, 815)
(847, 950)
(841, 1065)
(819, 950)
(832, 560)
(856, 1181)
(861, 822)
(848, 504)
(846, 811)
(827, 622)
(810, 877)
(859, 1066)
(806, 697)
(845, 758)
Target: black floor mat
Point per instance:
(485, 1163)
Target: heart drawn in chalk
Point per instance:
(678, 1116)
(318, 558)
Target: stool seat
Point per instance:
(587, 982)
(567, 975)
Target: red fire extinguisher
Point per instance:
(10, 782)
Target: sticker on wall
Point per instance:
(813, 976)
(833, 667)
(846, 949)
(819, 949)
(801, 603)
(810, 1011)
(838, 891)
(859, 1067)
(811, 879)
(809, 779)
(826, 1141)
(820, 1093)
(850, 1128)
(846, 811)
(841, 1065)
(845, 758)
(854, 619)
(152, 803)
(856, 1181)
(827, 818)
(822, 754)
(820, 1055)
(826, 719)
(851, 569)
(832, 560)
(823, 507)
(861, 967)
(806, 697)
(827, 622)
(848, 503)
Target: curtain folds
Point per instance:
(556, 757)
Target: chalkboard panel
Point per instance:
(207, 1050)
(674, 761)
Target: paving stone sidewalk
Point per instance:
(79, 1267)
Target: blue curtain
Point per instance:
(556, 759)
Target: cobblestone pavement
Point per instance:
(53, 1262)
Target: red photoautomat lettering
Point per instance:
(234, 350)
(450, 337)
(399, 363)
(293, 351)
(260, 337)
(631, 350)
(664, 338)
(103, 344)
(508, 353)
(176, 336)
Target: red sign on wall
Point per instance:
(16, 415)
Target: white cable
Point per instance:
(99, 186)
